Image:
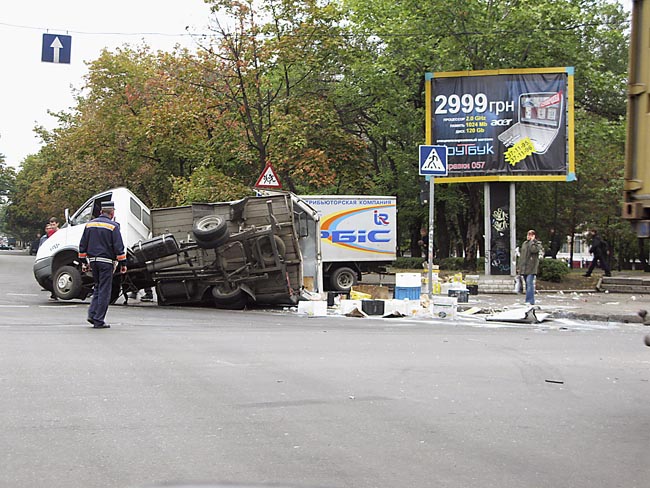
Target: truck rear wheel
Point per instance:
(343, 279)
(229, 299)
(67, 283)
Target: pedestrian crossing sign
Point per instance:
(433, 160)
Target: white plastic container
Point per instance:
(443, 307)
(313, 308)
(408, 280)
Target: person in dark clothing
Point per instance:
(600, 249)
(101, 244)
(555, 243)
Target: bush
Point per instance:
(552, 270)
(452, 264)
(408, 263)
(458, 264)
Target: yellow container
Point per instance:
(357, 295)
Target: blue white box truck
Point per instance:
(358, 235)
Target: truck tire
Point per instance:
(210, 231)
(343, 279)
(236, 299)
(266, 249)
(67, 283)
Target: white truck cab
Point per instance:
(57, 268)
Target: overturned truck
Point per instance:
(263, 250)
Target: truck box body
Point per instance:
(358, 233)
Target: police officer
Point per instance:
(101, 244)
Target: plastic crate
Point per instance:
(462, 295)
(373, 307)
(408, 292)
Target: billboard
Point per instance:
(503, 125)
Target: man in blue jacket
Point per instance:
(101, 245)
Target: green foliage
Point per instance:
(552, 270)
(332, 93)
(408, 263)
(207, 185)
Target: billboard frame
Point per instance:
(570, 174)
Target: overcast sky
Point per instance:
(29, 87)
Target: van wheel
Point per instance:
(343, 279)
(235, 299)
(67, 283)
(210, 231)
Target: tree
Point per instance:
(398, 43)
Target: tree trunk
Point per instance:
(474, 233)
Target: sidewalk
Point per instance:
(578, 305)
(589, 305)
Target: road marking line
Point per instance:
(57, 306)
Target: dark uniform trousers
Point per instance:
(103, 277)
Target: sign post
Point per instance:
(433, 162)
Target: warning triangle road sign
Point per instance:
(268, 178)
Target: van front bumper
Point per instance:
(43, 272)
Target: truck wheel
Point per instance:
(266, 249)
(210, 231)
(230, 299)
(67, 283)
(343, 279)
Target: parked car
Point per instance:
(6, 247)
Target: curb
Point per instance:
(594, 317)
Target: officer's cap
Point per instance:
(108, 205)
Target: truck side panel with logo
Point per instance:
(357, 231)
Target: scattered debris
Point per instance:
(528, 315)
(355, 312)
(557, 382)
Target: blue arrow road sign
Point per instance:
(56, 48)
(433, 160)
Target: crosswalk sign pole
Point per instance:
(430, 249)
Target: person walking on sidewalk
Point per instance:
(600, 249)
(528, 263)
(101, 244)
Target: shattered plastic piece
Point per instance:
(557, 382)
(356, 313)
(527, 315)
(394, 315)
(471, 311)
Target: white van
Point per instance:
(57, 267)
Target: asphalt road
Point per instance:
(196, 394)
